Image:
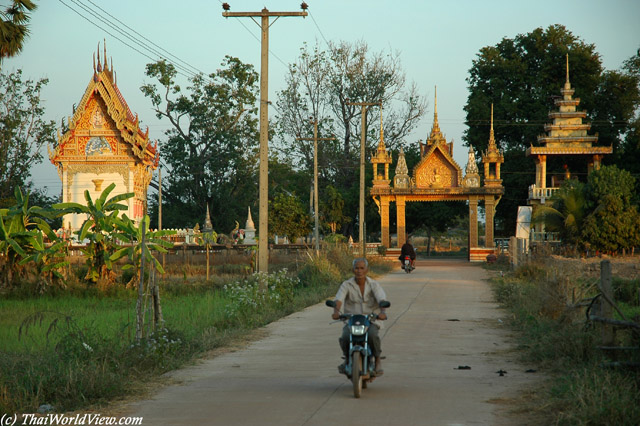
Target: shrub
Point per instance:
(259, 292)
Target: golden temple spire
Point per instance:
(99, 68)
(567, 84)
(435, 110)
(492, 139)
(436, 135)
(381, 146)
(104, 45)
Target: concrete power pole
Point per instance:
(315, 179)
(263, 235)
(361, 215)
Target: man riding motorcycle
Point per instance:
(407, 250)
(360, 295)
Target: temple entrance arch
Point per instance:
(437, 177)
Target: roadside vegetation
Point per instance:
(75, 348)
(587, 385)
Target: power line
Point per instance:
(129, 36)
(131, 29)
(120, 39)
(319, 30)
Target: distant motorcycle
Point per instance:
(360, 364)
(407, 265)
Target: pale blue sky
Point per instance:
(437, 42)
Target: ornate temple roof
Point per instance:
(103, 88)
(568, 134)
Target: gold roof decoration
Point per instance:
(381, 155)
(567, 134)
(103, 108)
(435, 137)
(472, 167)
(492, 154)
(401, 178)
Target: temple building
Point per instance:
(437, 177)
(104, 144)
(566, 136)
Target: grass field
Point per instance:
(75, 348)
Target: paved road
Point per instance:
(290, 376)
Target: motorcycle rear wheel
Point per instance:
(356, 371)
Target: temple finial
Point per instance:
(381, 143)
(567, 68)
(104, 45)
(435, 107)
(99, 68)
(491, 118)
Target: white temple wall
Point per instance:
(79, 182)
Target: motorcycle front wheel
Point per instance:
(356, 371)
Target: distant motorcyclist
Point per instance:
(360, 295)
(408, 250)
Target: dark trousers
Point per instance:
(374, 341)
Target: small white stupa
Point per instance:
(249, 230)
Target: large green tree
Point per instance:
(522, 76)
(13, 27)
(211, 148)
(614, 223)
(23, 132)
(321, 85)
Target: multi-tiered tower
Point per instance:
(566, 136)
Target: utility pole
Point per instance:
(263, 235)
(315, 178)
(160, 206)
(364, 106)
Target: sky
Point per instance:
(436, 40)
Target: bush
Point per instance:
(318, 270)
(257, 293)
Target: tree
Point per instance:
(23, 132)
(287, 217)
(321, 85)
(13, 27)
(521, 77)
(566, 213)
(332, 210)
(211, 148)
(614, 223)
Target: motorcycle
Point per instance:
(360, 364)
(407, 265)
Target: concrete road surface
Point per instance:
(442, 316)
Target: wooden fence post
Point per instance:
(606, 309)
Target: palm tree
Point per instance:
(567, 212)
(13, 27)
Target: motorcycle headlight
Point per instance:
(358, 330)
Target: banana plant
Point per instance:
(131, 236)
(99, 229)
(21, 234)
(49, 260)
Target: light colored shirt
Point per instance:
(354, 302)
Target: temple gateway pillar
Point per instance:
(473, 221)
(489, 210)
(401, 228)
(384, 220)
